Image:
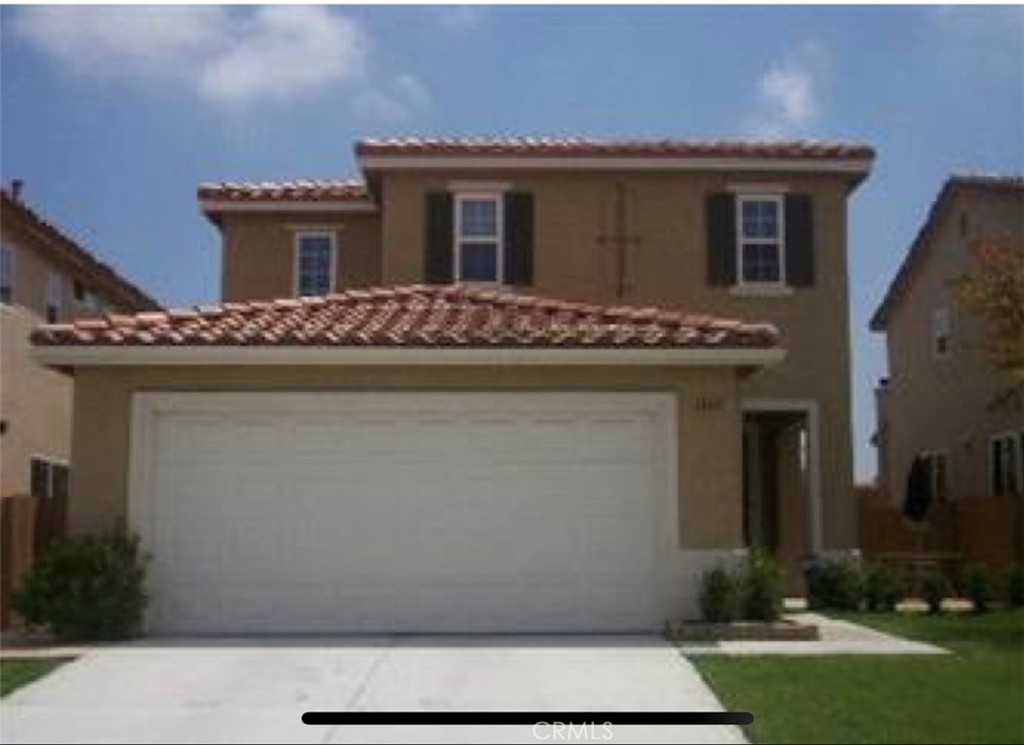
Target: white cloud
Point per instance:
(396, 101)
(231, 57)
(282, 52)
(460, 18)
(788, 94)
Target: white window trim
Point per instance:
(458, 238)
(301, 233)
(944, 454)
(12, 264)
(50, 462)
(1014, 438)
(941, 313)
(780, 241)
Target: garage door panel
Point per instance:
(400, 512)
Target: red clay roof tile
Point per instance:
(308, 190)
(413, 316)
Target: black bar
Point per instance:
(427, 718)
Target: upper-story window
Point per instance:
(1006, 464)
(478, 238)
(54, 296)
(6, 275)
(940, 332)
(760, 231)
(315, 260)
(760, 239)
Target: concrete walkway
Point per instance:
(837, 637)
(255, 690)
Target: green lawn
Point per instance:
(16, 673)
(975, 695)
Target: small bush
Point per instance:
(763, 585)
(883, 587)
(835, 584)
(934, 589)
(720, 596)
(89, 587)
(1011, 586)
(978, 587)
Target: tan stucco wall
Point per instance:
(942, 404)
(667, 267)
(259, 252)
(35, 404)
(709, 424)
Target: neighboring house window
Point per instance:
(6, 275)
(940, 332)
(1006, 471)
(760, 229)
(315, 258)
(937, 463)
(478, 238)
(48, 478)
(54, 297)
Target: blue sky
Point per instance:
(113, 115)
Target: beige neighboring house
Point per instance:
(495, 385)
(45, 276)
(936, 401)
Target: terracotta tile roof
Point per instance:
(585, 146)
(69, 252)
(286, 191)
(412, 316)
(983, 183)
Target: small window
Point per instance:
(6, 275)
(79, 290)
(937, 463)
(478, 238)
(54, 297)
(315, 261)
(48, 478)
(1006, 470)
(760, 232)
(940, 332)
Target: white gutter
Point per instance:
(662, 163)
(270, 205)
(103, 356)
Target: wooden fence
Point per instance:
(27, 526)
(984, 529)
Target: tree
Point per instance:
(993, 291)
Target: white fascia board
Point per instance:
(668, 163)
(214, 206)
(90, 356)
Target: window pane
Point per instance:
(997, 467)
(479, 218)
(760, 219)
(59, 479)
(761, 262)
(1010, 466)
(6, 274)
(39, 478)
(479, 262)
(314, 265)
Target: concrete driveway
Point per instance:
(255, 690)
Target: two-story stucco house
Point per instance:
(937, 400)
(496, 385)
(45, 276)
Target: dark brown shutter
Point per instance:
(721, 225)
(799, 240)
(437, 264)
(519, 238)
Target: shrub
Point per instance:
(89, 587)
(835, 584)
(978, 587)
(1011, 586)
(883, 587)
(720, 596)
(763, 585)
(934, 588)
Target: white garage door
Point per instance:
(360, 512)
